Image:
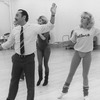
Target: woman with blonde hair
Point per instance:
(43, 52)
(83, 39)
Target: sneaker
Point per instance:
(62, 95)
(86, 98)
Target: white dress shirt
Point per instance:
(30, 36)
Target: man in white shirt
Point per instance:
(23, 38)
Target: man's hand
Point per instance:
(53, 9)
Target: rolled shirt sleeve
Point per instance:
(9, 42)
(44, 28)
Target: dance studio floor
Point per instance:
(59, 65)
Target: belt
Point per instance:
(24, 56)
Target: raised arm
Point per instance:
(50, 25)
(52, 20)
(53, 12)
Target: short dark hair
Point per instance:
(24, 13)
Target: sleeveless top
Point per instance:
(42, 44)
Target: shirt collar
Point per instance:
(24, 26)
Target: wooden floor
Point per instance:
(59, 65)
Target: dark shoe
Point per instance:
(46, 78)
(45, 82)
(39, 81)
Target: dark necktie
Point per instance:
(22, 50)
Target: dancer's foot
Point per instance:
(86, 98)
(62, 95)
(45, 82)
(39, 81)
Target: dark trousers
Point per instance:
(21, 64)
(22, 76)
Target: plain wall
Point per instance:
(67, 16)
(4, 19)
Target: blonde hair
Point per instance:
(90, 20)
(45, 20)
